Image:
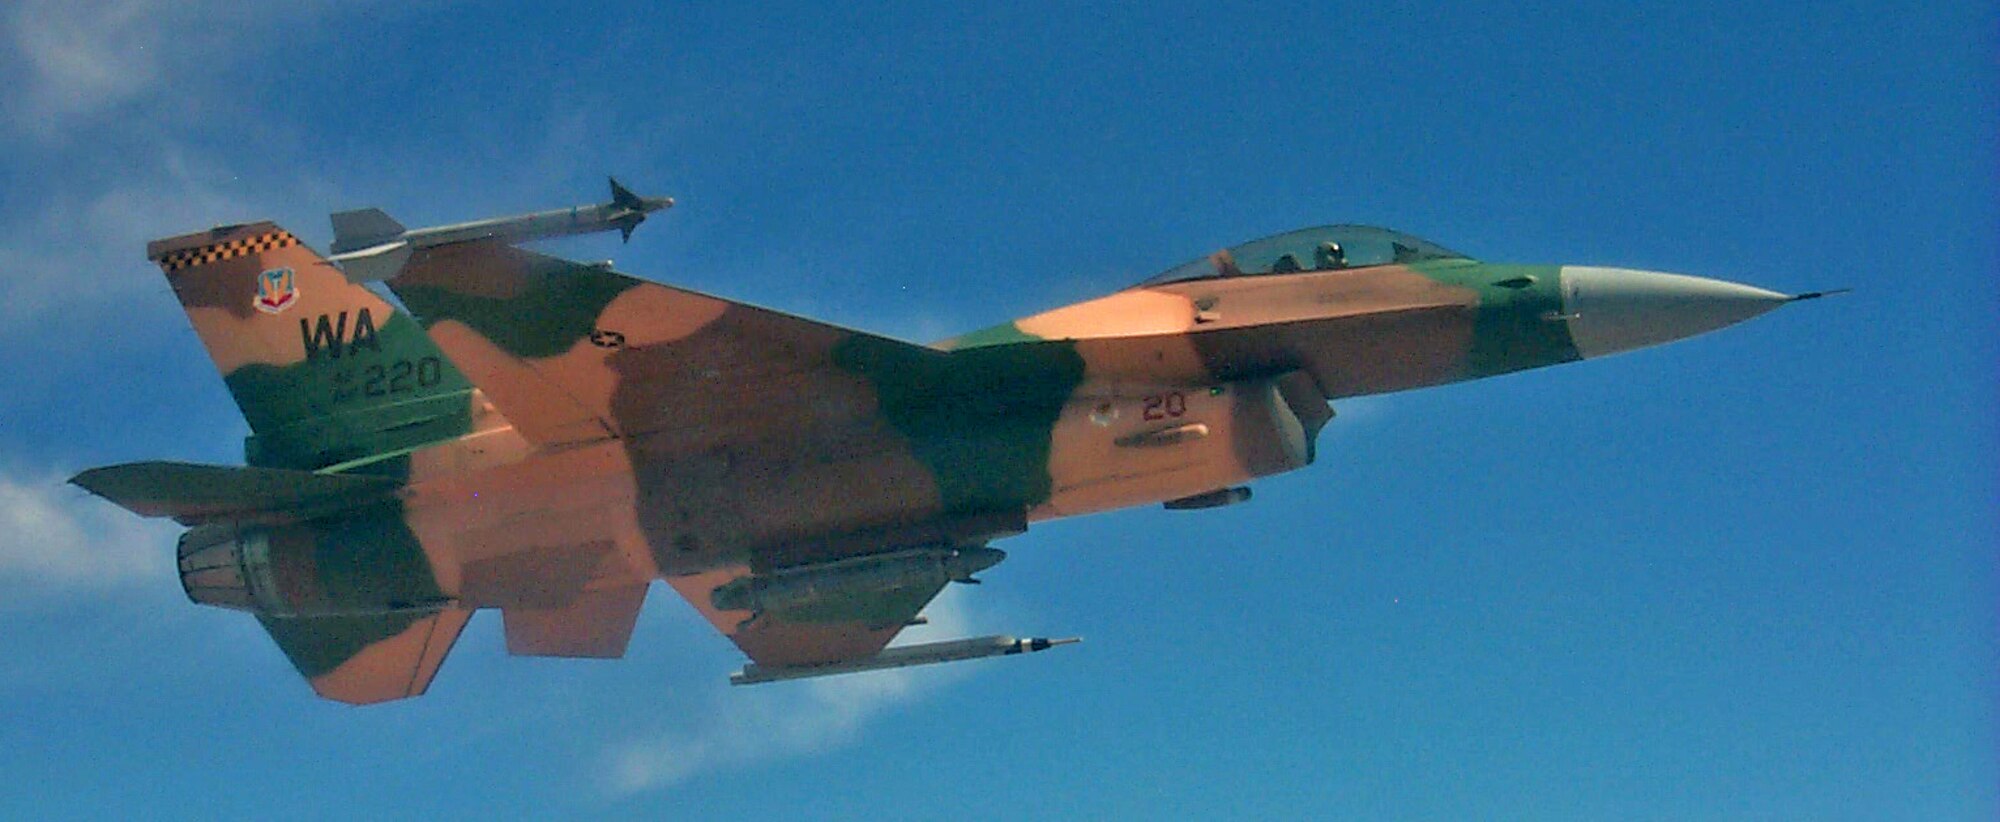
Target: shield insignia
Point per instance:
(276, 290)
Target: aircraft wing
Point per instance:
(848, 628)
(574, 353)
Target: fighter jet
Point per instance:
(547, 437)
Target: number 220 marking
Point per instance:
(401, 377)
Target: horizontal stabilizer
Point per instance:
(199, 493)
(363, 228)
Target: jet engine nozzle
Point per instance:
(213, 571)
(276, 572)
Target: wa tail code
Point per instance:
(328, 334)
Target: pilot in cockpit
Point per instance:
(1328, 256)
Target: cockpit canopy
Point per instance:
(1326, 248)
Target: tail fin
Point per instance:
(325, 371)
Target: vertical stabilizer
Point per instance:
(325, 371)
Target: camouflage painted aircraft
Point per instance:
(548, 437)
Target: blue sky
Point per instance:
(1750, 575)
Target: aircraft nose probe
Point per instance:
(1814, 295)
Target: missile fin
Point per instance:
(373, 264)
(624, 198)
(364, 228)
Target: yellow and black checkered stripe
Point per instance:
(203, 255)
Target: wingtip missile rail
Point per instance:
(929, 653)
(370, 245)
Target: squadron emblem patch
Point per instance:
(276, 290)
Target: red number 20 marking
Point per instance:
(1165, 406)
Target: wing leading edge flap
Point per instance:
(195, 493)
(362, 660)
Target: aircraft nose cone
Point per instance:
(1616, 309)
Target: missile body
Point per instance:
(903, 657)
(371, 245)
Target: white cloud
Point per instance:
(82, 56)
(54, 535)
(65, 64)
(70, 61)
(746, 726)
(66, 253)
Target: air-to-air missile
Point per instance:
(370, 245)
(904, 656)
